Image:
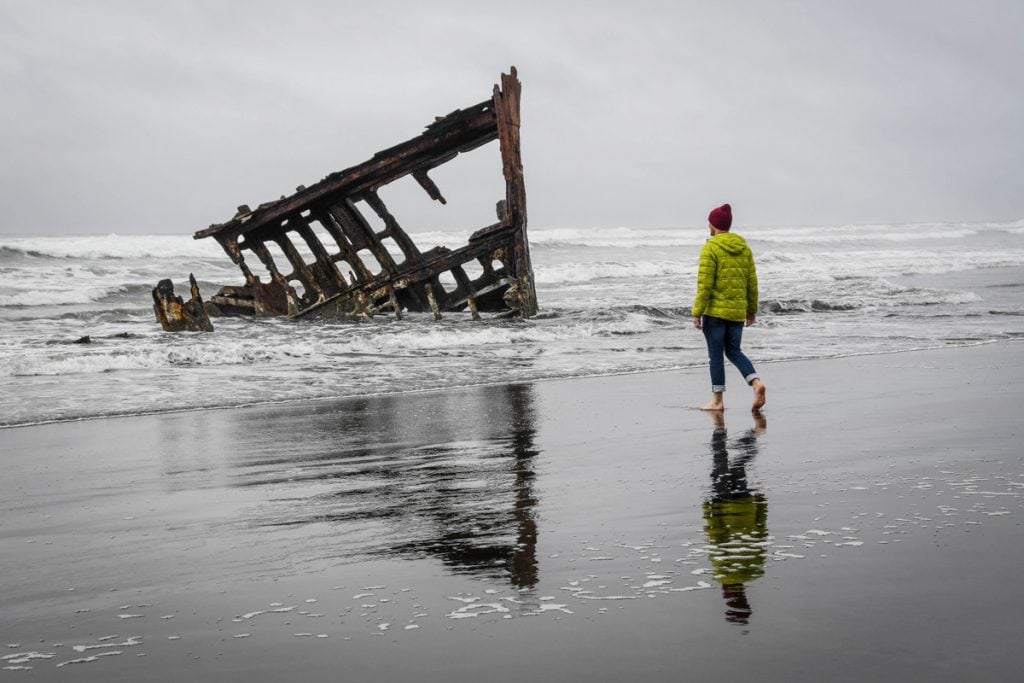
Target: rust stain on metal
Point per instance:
(177, 315)
(324, 243)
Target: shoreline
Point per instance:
(555, 529)
(435, 390)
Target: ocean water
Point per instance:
(612, 301)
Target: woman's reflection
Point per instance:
(735, 517)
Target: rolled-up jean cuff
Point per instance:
(751, 377)
(717, 388)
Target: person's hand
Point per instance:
(751, 319)
(696, 323)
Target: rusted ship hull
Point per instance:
(332, 262)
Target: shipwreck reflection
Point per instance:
(446, 475)
(735, 518)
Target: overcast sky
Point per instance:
(140, 117)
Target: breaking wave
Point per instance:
(101, 247)
(608, 270)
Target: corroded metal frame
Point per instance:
(336, 281)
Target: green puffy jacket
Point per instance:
(726, 279)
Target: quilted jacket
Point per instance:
(726, 279)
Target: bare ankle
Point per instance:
(716, 403)
(760, 394)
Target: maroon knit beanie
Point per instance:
(721, 217)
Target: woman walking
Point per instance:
(726, 299)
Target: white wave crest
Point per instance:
(485, 339)
(114, 246)
(860, 233)
(882, 262)
(57, 297)
(587, 272)
(143, 355)
(621, 238)
(303, 347)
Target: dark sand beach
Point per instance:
(601, 529)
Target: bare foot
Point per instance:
(714, 405)
(759, 396)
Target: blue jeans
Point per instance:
(723, 338)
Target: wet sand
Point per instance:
(592, 529)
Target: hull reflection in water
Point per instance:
(432, 475)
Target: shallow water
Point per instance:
(613, 301)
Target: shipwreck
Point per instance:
(319, 255)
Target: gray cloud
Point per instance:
(145, 117)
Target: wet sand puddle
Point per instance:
(399, 520)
